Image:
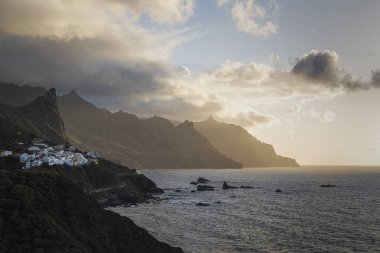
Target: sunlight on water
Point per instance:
(303, 218)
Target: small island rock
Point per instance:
(202, 204)
(226, 186)
(205, 188)
(202, 180)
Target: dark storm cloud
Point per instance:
(322, 67)
(375, 78)
(76, 63)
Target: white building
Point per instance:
(68, 162)
(6, 153)
(36, 163)
(33, 149)
(24, 157)
(28, 165)
(41, 153)
(92, 154)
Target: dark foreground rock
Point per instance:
(193, 183)
(278, 191)
(201, 188)
(202, 180)
(227, 186)
(111, 184)
(41, 212)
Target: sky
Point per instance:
(301, 75)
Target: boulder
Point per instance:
(227, 187)
(202, 204)
(193, 183)
(201, 188)
(278, 190)
(202, 180)
(327, 185)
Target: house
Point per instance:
(68, 162)
(51, 161)
(41, 145)
(28, 165)
(92, 154)
(81, 161)
(60, 153)
(37, 163)
(41, 153)
(24, 157)
(44, 152)
(59, 147)
(6, 153)
(34, 149)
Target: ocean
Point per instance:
(304, 217)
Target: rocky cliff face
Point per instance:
(59, 208)
(151, 143)
(236, 143)
(40, 117)
(42, 212)
(22, 124)
(14, 95)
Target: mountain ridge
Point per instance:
(238, 144)
(40, 117)
(59, 208)
(141, 136)
(139, 143)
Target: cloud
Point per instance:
(118, 52)
(98, 47)
(297, 113)
(249, 119)
(164, 12)
(236, 73)
(252, 18)
(375, 78)
(328, 116)
(322, 67)
(87, 18)
(318, 66)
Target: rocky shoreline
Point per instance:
(44, 212)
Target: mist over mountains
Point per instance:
(142, 143)
(235, 142)
(40, 117)
(150, 143)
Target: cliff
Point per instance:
(42, 212)
(14, 95)
(108, 182)
(40, 117)
(124, 138)
(235, 142)
(59, 208)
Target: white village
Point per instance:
(40, 153)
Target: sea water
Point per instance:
(304, 217)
